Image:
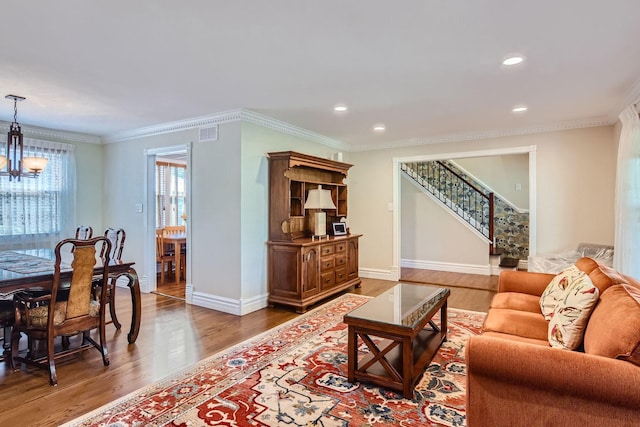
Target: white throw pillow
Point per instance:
(569, 320)
(556, 289)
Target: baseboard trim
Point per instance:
(484, 270)
(374, 273)
(229, 305)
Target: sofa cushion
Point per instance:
(569, 319)
(544, 343)
(515, 322)
(557, 288)
(601, 275)
(614, 328)
(516, 301)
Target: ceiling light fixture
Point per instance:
(513, 60)
(340, 108)
(379, 128)
(519, 109)
(14, 156)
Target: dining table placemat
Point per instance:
(24, 264)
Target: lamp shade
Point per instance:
(35, 164)
(319, 199)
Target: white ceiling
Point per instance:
(430, 70)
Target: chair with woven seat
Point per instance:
(44, 318)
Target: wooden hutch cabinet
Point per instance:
(303, 270)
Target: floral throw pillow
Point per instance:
(569, 320)
(556, 289)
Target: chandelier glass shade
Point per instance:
(13, 163)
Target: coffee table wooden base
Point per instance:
(398, 358)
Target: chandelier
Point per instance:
(17, 165)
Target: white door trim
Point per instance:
(150, 218)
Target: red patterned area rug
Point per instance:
(296, 375)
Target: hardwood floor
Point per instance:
(172, 289)
(173, 336)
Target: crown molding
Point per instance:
(289, 129)
(473, 136)
(177, 126)
(241, 114)
(52, 134)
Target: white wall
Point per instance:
(257, 141)
(575, 190)
(501, 174)
(433, 238)
(125, 186)
(89, 202)
(228, 217)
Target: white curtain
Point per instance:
(626, 257)
(39, 212)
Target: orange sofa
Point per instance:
(515, 378)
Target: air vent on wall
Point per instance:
(209, 133)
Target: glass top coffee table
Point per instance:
(392, 325)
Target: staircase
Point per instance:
(466, 199)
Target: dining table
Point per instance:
(177, 240)
(26, 269)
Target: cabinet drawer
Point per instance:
(341, 260)
(327, 250)
(341, 247)
(327, 263)
(328, 279)
(341, 275)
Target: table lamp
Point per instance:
(319, 199)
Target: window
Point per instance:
(37, 212)
(170, 194)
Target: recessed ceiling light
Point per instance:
(340, 108)
(513, 60)
(519, 109)
(379, 128)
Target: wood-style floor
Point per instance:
(172, 289)
(173, 336)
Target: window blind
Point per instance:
(38, 212)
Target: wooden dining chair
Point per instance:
(163, 255)
(117, 238)
(84, 232)
(175, 229)
(7, 317)
(44, 318)
(178, 229)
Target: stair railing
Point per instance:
(458, 194)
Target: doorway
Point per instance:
(169, 200)
(397, 193)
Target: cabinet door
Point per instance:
(310, 271)
(284, 271)
(352, 258)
